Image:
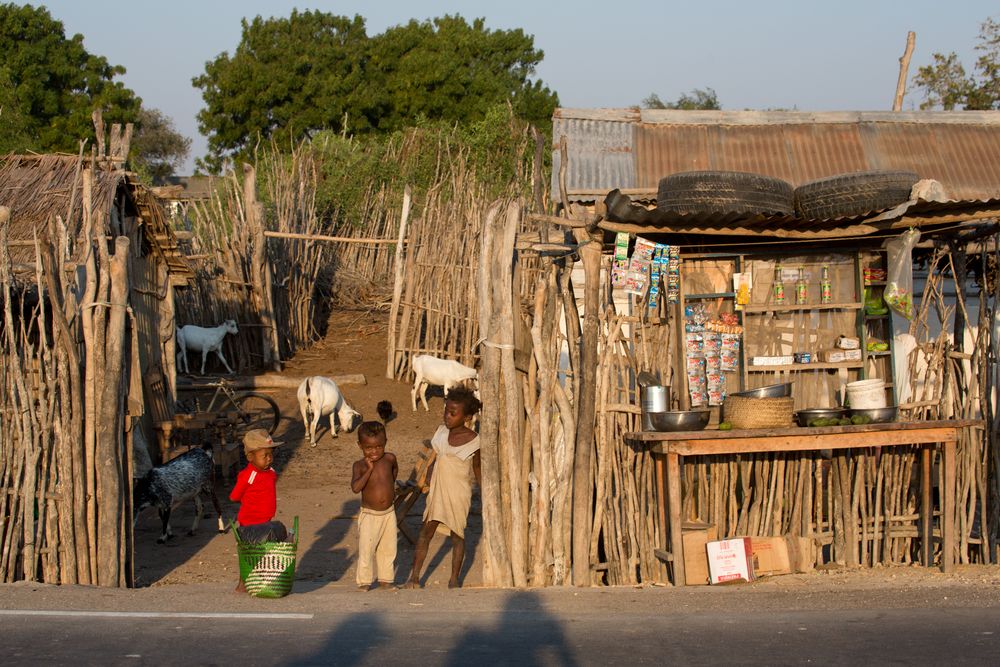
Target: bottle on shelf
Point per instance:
(825, 287)
(801, 288)
(779, 286)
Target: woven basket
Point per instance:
(267, 570)
(746, 412)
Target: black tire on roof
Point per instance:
(851, 195)
(724, 192)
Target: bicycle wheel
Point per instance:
(256, 411)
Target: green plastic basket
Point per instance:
(267, 570)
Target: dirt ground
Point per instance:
(314, 482)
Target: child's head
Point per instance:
(259, 448)
(460, 404)
(371, 440)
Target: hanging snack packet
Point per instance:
(644, 249)
(621, 245)
(619, 271)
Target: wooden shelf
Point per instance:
(717, 295)
(815, 366)
(764, 308)
(883, 353)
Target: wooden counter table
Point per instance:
(668, 447)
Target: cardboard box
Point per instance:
(836, 356)
(729, 561)
(696, 536)
(783, 555)
(848, 343)
(770, 556)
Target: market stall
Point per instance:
(669, 448)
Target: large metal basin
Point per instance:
(877, 415)
(679, 420)
(770, 391)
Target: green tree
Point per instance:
(297, 74)
(157, 149)
(54, 83)
(13, 125)
(946, 85)
(292, 77)
(448, 69)
(697, 99)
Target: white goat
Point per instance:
(320, 396)
(430, 370)
(201, 339)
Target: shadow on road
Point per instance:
(526, 635)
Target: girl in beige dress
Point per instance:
(457, 449)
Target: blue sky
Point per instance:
(813, 56)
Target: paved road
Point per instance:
(523, 630)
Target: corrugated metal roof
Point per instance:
(632, 150)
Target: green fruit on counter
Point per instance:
(725, 426)
(844, 421)
(861, 420)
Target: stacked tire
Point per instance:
(725, 192)
(853, 195)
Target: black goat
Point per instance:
(167, 486)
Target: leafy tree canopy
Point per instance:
(53, 84)
(696, 99)
(946, 85)
(157, 149)
(292, 77)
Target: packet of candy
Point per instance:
(644, 249)
(621, 246)
(619, 272)
(694, 344)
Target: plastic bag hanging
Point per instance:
(899, 283)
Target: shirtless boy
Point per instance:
(374, 477)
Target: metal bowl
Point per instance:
(679, 420)
(770, 391)
(803, 417)
(877, 415)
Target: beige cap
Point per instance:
(258, 439)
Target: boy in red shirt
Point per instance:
(255, 491)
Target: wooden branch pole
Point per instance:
(397, 285)
(265, 381)
(583, 493)
(497, 570)
(904, 68)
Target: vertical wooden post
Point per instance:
(904, 67)
(583, 492)
(497, 564)
(676, 518)
(397, 285)
(260, 273)
(926, 509)
(110, 435)
(948, 509)
(501, 334)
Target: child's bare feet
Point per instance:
(388, 586)
(240, 588)
(454, 583)
(412, 584)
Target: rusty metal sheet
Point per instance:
(960, 149)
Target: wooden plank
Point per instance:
(948, 510)
(816, 366)
(767, 308)
(795, 443)
(676, 522)
(926, 509)
(333, 239)
(714, 434)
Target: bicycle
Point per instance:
(229, 413)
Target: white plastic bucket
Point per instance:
(866, 394)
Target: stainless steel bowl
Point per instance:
(769, 391)
(877, 415)
(679, 420)
(803, 417)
